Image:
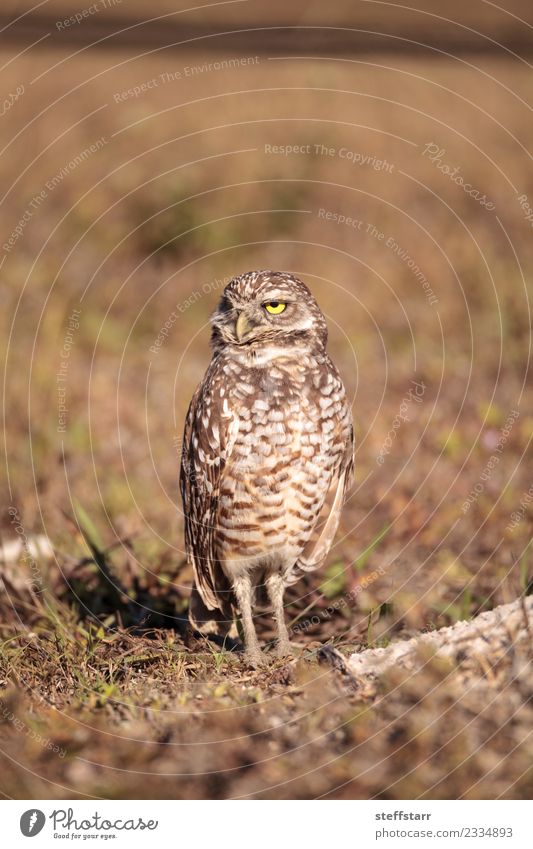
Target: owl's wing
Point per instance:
(321, 539)
(207, 443)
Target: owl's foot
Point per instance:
(255, 658)
(284, 649)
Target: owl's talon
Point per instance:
(284, 649)
(255, 659)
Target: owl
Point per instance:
(267, 455)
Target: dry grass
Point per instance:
(97, 659)
(95, 713)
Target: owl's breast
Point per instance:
(285, 454)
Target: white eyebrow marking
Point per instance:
(276, 295)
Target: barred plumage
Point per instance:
(267, 453)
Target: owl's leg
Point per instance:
(242, 586)
(276, 588)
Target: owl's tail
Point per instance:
(210, 622)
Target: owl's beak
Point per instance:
(242, 326)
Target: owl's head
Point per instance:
(267, 308)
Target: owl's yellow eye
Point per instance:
(275, 307)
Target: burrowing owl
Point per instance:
(267, 454)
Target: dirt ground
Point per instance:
(135, 183)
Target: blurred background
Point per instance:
(149, 154)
